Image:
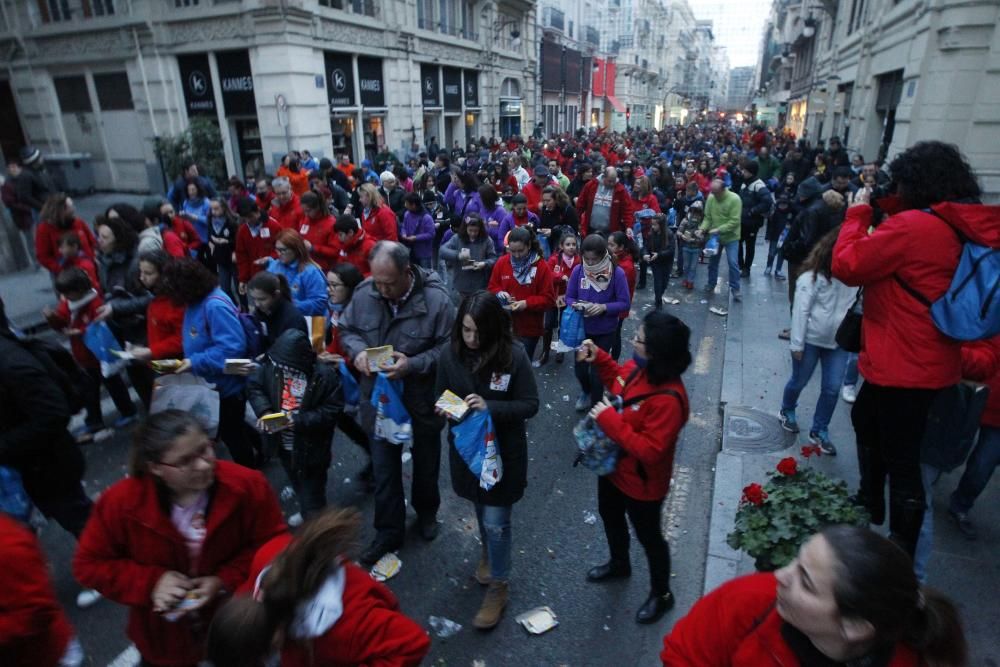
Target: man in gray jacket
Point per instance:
(407, 307)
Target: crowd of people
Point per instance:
(283, 293)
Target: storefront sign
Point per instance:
(370, 82)
(452, 89)
(339, 80)
(471, 88)
(510, 107)
(196, 78)
(429, 86)
(236, 82)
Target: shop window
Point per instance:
(98, 7)
(71, 91)
(113, 91)
(53, 11)
(186, 3)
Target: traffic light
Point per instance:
(628, 113)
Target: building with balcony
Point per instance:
(107, 77)
(740, 89)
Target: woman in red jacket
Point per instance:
(316, 227)
(377, 219)
(307, 599)
(625, 254)
(654, 408)
(164, 318)
(176, 535)
(904, 358)
(850, 598)
(58, 217)
(521, 279)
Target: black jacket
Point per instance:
(509, 410)
(223, 243)
(285, 316)
(661, 246)
(119, 274)
(757, 203)
(321, 405)
(810, 225)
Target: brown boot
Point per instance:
(483, 569)
(492, 608)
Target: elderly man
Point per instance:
(603, 205)
(723, 211)
(407, 307)
(285, 209)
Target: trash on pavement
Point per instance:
(589, 518)
(387, 567)
(444, 627)
(718, 311)
(566, 397)
(672, 302)
(537, 620)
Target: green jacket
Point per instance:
(724, 216)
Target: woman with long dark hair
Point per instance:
(164, 317)
(471, 256)
(649, 410)
(273, 308)
(489, 372)
(223, 226)
(58, 216)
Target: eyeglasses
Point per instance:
(282, 249)
(205, 453)
(333, 285)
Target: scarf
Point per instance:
(522, 268)
(598, 276)
(568, 260)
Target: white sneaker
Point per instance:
(849, 393)
(88, 597)
(295, 520)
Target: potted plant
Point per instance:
(796, 502)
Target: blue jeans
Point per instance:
(494, 530)
(851, 372)
(833, 362)
(925, 541)
(690, 260)
(732, 250)
(774, 255)
(978, 469)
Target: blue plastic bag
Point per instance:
(392, 421)
(102, 344)
(14, 499)
(476, 442)
(349, 385)
(711, 246)
(571, 332)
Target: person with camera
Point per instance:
(905, 360)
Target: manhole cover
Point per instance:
(750, 430)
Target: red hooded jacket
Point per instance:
(47, 243)
(186, 232)
(164, 324)
(900, 346)
(356, 252)
(250, 248)
(981, 362)
(538, 295)
(371, 632)
(34, 630)
(319, 232)
(288, 216)
(64, 318)
(560, 271)
(130, 542)
(646, 431)
(380, 224)
(736, 625)
(620, 207)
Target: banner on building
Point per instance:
(429, 92)
(236, 82)
(339, 80)
(452, 89)
(370, 82)
(471, 87)
(196, 77)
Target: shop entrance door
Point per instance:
(11, 133)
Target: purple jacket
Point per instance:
(508, 224)
(420, 225)
(498, 214)
(615, 296)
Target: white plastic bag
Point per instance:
(189, 393)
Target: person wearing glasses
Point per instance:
(176, 537)
(305, 278)
(644, 415)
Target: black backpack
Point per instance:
(60, 365)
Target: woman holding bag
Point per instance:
(490, 372)
(651, 389)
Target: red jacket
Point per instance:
(356, 252)
(250, 248)
(641, 204)
(646, 431)
(288, 216)
(737, 625)
(62, 318)
(539, 295)
(130, 542)
(323, 239)
(371, 632)
(186, 232)
(380, 224)
(704, 182)
(47, 243)
(534, 195)
(88, 267)
(900, 346)
(34, 630)
(299, 181)
(981, 362)
(627, 265)
(620, 207)
(560, 271)
(164, 324)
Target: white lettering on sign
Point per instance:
(237, 84)
(371, 85)
(451, 89)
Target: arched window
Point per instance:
(510, 88)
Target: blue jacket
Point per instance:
(212, 333)
(615, 296)
(199, 212)
(421, 226)
(308, 286)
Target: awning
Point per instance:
(618, 106)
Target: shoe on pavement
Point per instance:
(737, 296)
(788, 420)
(375, 551)
(608, 571)
(122, 422)
(494, 602)
(582, 403)
(88, 597)
(767, 271)
(295, 520)
(849, 393)
(654, 608)
(559, 357)
(822, 439)
(483, 574)
(778, 275)
(745, 273)
(428, 527)
(785, 334)
(965, 526)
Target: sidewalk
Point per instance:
(757, 365)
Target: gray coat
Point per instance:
(481, 250)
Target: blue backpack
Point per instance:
(970, 308)
(251, 330)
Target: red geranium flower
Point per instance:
(754, 494)
(788, 466)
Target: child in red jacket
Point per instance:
(164, 317)
(72, 255)
(254, 242)
(307, 595)
(77, 309)
(561, 264)
(182, 227)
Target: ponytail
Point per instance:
(936, 632)
(272, 283)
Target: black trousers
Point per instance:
(116, 388)
(613, 506)
(235, 432)
(889, 423)
(586, 373)
(748, 246)
(309, 485)
(352, 429)
(661, 279)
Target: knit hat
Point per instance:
(809, 188)
(30, 155)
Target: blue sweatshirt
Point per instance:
(212, 333)
(308, 286)
(199, 211)
(615, 296)
(420, 225)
